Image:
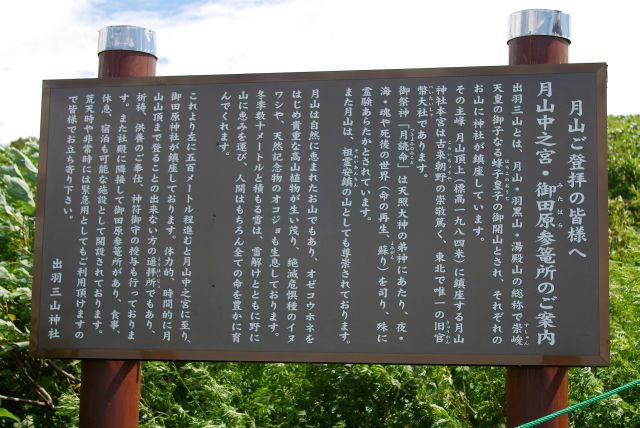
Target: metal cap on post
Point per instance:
(539, 36)
(126, 51)
(127, 38)
(540, 22)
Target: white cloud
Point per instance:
(47, 40)
(40, 40)
(307, 35)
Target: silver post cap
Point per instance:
(127, 38)
(540, 22)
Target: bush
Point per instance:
(624, 161)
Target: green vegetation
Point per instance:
(44, 393)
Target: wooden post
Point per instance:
(110, 389)
(537, 37)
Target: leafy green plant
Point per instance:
(28, 386)
(621, 410)
(4, 413)
(624, 161)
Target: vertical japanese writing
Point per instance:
(135, 252)
(295, 190)
(238, 258)
(386, 249)
(364, 171)
(499, 194)
(136, 218)
(241, 135)
(169, 252)
(441, 176)
(545, 225)
(576, 234)
(277, 183)
(135, 222)
(281, 206)
(479, 161)
(459, 210)
(255, 324)
(256, 270)
(424, 110)
(455, 204)
(519, 325)
(346, 202)
(223, 139)
(85, 214)
(101, 211)
(55, 297)
(153, 261)
(117, 202)
(312, 214)
(293, 275)
(188, 219)
(404, 161)
(70, 164)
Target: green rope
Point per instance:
(580, 405)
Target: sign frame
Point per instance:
(602, 359)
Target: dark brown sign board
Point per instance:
(440, 216)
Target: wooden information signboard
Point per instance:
(454, 216)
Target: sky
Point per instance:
(41, 40)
